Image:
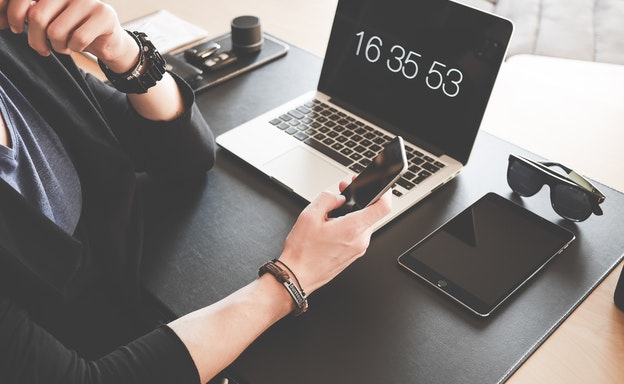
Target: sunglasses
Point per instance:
(572, 196)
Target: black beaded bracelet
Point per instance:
(283, 277)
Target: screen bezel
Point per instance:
(458, 139)
(439, 281)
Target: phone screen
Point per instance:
(379, 176)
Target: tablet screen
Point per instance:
(485, 253)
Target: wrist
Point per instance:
(149, 68)
(273, 290)
(127, 58)
(284, 275)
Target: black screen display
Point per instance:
(486, 252)
(375, 179)
(425, 68)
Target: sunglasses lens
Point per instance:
(571, 202)
(523, 179)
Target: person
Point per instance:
(70, 218)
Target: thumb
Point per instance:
(326, 202)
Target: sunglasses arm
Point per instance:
(577, 178)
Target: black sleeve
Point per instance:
(30, 355)
(173, 149)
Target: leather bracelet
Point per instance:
(283, 277)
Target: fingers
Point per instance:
(14, 12)
(370, 215)
(4, 23)
(78, 26)
(325, 202)
(344, 183)
(64, 25)
(40, 15)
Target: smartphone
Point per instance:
(377, 178)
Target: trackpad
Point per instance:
(304, 172)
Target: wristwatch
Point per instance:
(148, 70)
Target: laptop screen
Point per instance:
(423, 69)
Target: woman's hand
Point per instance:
(72, 26)
(317, 249)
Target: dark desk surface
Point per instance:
(374, 323)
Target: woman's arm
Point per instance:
(316, 250)
(67, 26)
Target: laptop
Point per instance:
(422, 69)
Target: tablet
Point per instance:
(483, 255)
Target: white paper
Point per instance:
(166, 30)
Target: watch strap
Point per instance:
(148, 70)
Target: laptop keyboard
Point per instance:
(349, 141)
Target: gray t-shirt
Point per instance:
(36, 163)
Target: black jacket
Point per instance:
(108, 143)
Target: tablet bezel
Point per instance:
(439, 281)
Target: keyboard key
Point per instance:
(380, 141)
(405, 184)
(375, 148)
(328, 142)
(296, 114)
(337, 146)
(328, 152)
(430, 167)
(356, 156)
(346, 151)
(369, 154)
(357, 168)
(409, 175)
(300, 136)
